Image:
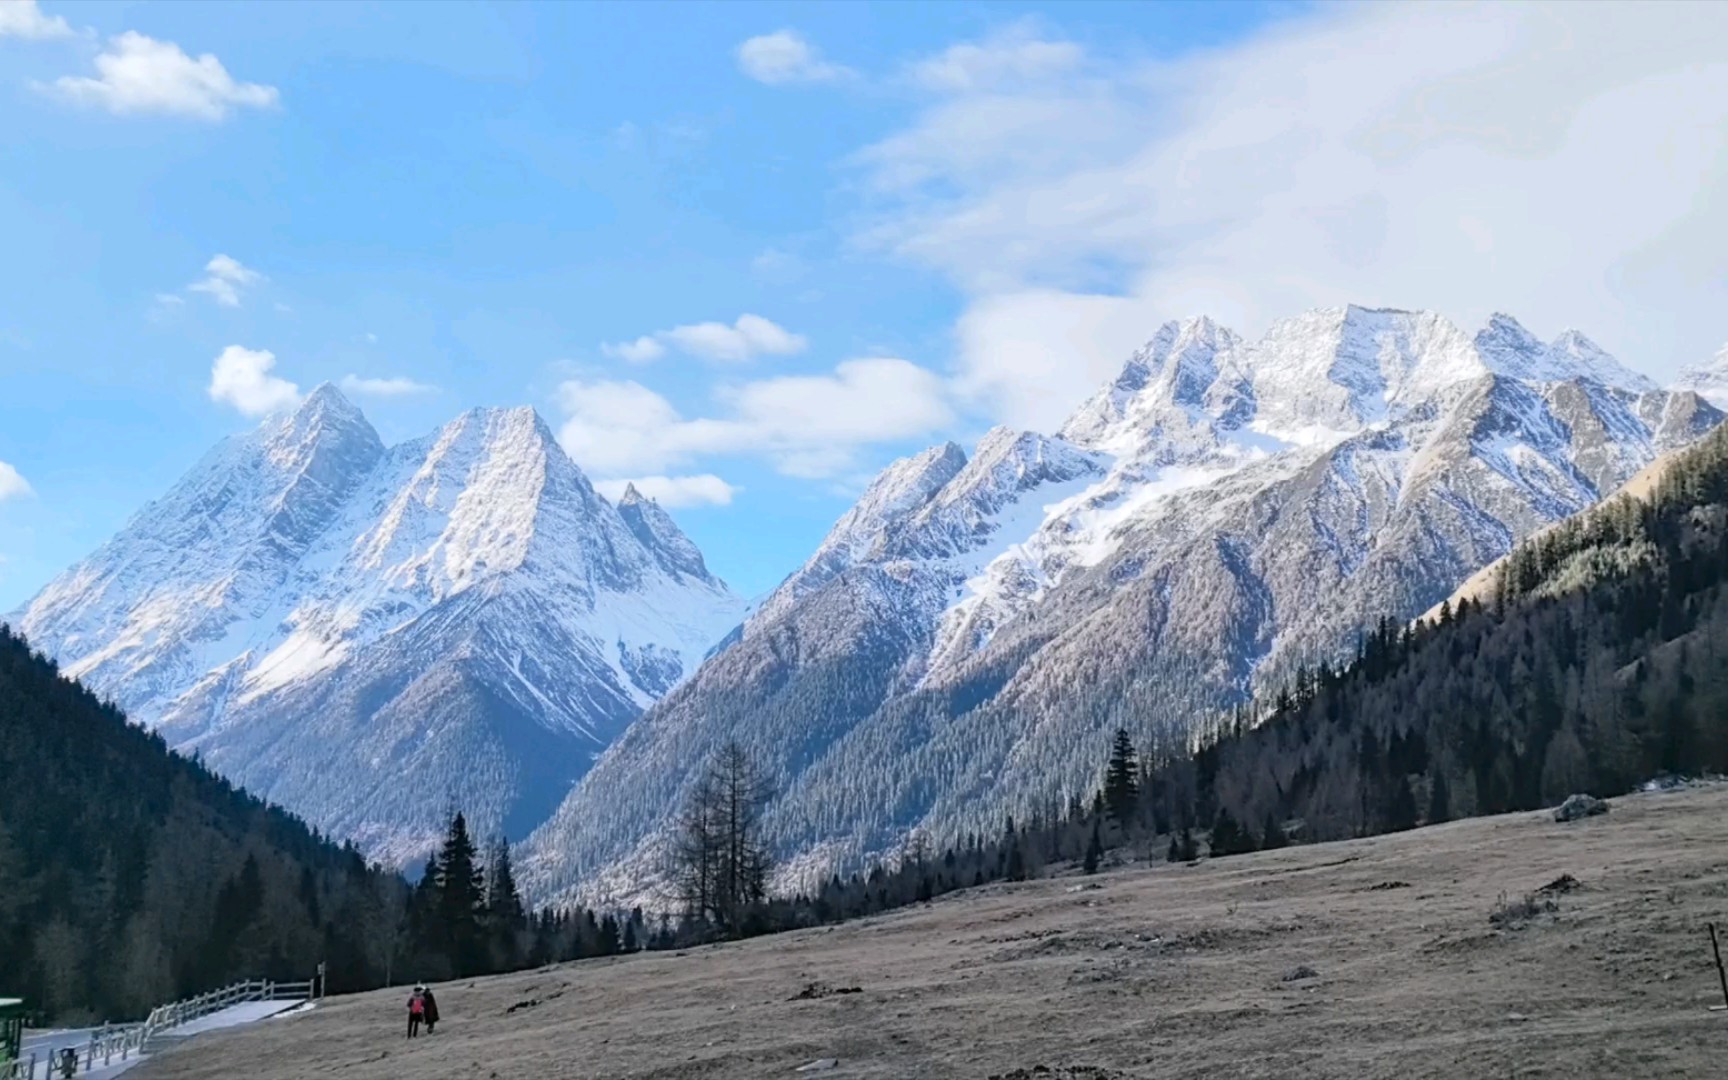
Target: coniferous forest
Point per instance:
(1597, 661)
(131, 876)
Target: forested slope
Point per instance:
(1595, 662)
(130, 875)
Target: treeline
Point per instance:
(131, 876)
(1597, 660)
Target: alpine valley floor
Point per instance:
(1144, 971)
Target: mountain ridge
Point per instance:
(1218, 514)
(340, 625)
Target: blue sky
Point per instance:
(756, 251)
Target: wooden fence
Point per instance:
(116, 1043)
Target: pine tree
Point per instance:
(505, 917)
(461, 900)
(1122, 780)
(1095, 848)
(1229, 838)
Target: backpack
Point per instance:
(416, 1005)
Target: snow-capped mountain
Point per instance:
(1222, 512)
(370, 635)
(1708, 380)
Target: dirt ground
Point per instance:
(1372, 958)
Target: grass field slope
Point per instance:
(1432, 953)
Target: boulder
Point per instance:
(1579, 806)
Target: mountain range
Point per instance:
(1221, 514)
(370, 635)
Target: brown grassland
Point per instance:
(1367, 958)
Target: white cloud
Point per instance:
(704, 489)
(641, 351)
(223, 279)
(1567, 163)
(138, 74)
(389, 387)
(24, 19)
(785, 57)
(747, 338)
(750, 336)
(1013, 55)
(808, 425)
(12, 485)
(241, 377)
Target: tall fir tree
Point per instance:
(461, 900)
(1094, 847)
(1122, 780)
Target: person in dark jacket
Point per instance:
(416, 1010)
(431, 1009)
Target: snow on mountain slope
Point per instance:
(1219, 514)
(1708, 380)
(369, 635)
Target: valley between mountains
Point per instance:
(370, 635)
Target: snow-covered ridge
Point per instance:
(1218, 513)
(1708, 380)
(305, 567)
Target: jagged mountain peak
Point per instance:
(1508, 348)
(323, 419)
(896, 494)
(347, 628)
(326, 397)
(656, 530)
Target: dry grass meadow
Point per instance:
(1146, 971)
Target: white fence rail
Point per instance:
(110, 1044)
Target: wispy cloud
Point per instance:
(786, 57)
(1013, 56)
(387, 387)
(807, 425)
(223, 280)
(746, 338)
(641, 351)
(241, 377)
(704, 489)
(24, 19)
(138, 75)
(12, 485)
